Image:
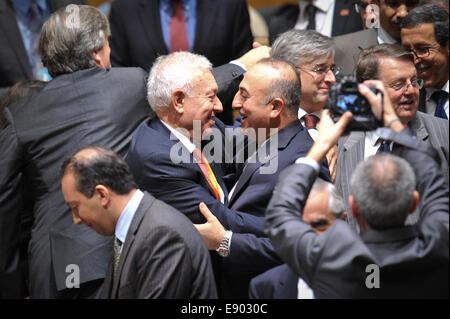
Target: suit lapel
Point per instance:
(9, 23)
(151, 22)
(206, 13)
(418, 128)
(143, 207)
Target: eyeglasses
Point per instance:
(422, 52)
(323, 70)
(403, 85)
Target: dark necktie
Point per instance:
(311, 10)
(178, 33)
(117, 251)
(440, 97)
(384, 147)
(310, 121)
(35, 25)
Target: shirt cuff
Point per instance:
(310, 162)
(239, 64)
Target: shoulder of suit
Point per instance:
(432, 120)
(356, 35)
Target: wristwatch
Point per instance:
(224, 247)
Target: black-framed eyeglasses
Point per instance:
(421, 52)
(323, 70)
(403, 85)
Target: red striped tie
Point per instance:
(178, 33)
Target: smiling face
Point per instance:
(315, 86)
(392, 12)
(432, 67)
(201, 104)
(405, 100)
(88, 211)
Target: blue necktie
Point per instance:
(384, 147)
(440, 97)
(35, 23)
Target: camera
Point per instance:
(344, 96)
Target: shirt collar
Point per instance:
(126, 217)
(302, 112)
(430, 91)
(188, 5)
(384, 37)
(183, 139)
(23, 6)
(373, 138)
(322, 5)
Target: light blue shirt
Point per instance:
(190, 14)
(22, 8)
(126, 217)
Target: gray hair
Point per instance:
(383, 187)
(69, 37)
(336, 202)
(172, 72)
(301, 46)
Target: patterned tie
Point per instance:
(385, 146)
(311, 10)
(207, 172)
(117, 251)
(440, 97)
(178, 33)
(310, 121)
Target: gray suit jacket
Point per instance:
(428, 128)
(348, 47)
(413, 260)
(163, 256)
(93, 106)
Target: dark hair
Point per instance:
(18, 91)
(367, 67)
(104, 167)
(288, 86)
(429, 13)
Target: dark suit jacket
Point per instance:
(413, 260)
(428, 128)
(277, 283)
(250, 254)
(93, 106)
(348, 47)
(14, 64)
(163, 256)
(222, 34)
(286, 17)
(182, 185)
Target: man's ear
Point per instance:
(178, 98)
(354, 207)
(278, 106)
(415, 203)
(103, 194)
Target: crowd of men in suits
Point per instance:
(120, 167)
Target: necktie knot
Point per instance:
(440, 97)
(385, 146)
(310, 121)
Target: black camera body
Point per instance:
(344, 96)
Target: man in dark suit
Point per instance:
(323, 207)
(425, 34)
(141, 31)
(85, 103)
(331, 18)
(267, 101)
(388, 260)
(394, 66)
(15, 50)
(157, 251)
(385, 29)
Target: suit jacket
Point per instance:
(222, 34)
(428, 128)
(250, 254)
(182, 185)
(348, 47)
(87, 107)
(14, 64)
(277, 283)
(163, 256)
(413, 260)
(286, 17)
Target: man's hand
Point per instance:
(329, 133)
(258, 53)
(390, 118)
(332, 162)
(212, 231)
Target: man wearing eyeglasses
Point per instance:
(425, 34)
(384, 29)
(313, 55)
(394, 67)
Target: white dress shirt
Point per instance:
(324, 16)
(384, 37)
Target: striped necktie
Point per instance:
(207, 172)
